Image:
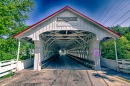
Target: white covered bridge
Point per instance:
(69, 31)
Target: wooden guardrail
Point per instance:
(86, 62)
(45, 62)
(124, 65)
(7, 66)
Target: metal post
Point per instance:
(116, 53)
(18, 55)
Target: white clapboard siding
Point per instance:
(52, 24)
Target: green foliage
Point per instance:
(123, 45)
(25, 52)
(127, 36)
(9, 48)
(107, 49)
(121, 30)
(13, 14)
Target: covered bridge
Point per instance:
(70, 31)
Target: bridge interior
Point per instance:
(63, 62)
(61, 49)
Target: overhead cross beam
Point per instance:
(51, 42)
(78, 42)
(65, 38)
(82, 39)
(49, 39)
(65, 34)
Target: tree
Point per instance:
(127, 36)
(123, 48)
(13, 14)
(123, 44)
(107, 49)
(120, 30)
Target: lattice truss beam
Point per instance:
(76, 42)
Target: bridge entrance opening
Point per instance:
(62, 52)
(69, 47)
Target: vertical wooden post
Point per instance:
(12, 65)
(116, 54)
(37, 58)
(95, 53)
(18, 55)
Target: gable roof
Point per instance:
(71, 9)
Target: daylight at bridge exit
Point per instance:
(65, 43)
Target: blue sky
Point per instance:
(106, 12)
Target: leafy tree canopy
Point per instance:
(121, 30)
(123, 44)
(13, 14)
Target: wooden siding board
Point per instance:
(70, 9)
(83, 24)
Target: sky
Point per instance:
(106, 12)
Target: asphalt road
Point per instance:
(64, 62)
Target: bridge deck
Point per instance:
(64, 62)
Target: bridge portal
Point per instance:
(69, 32)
